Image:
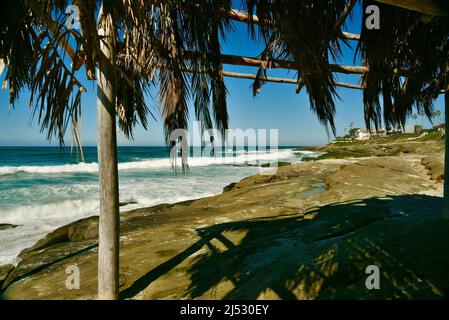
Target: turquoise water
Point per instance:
(42, 188)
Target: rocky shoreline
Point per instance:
(307, 232)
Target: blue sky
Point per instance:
(276, 107)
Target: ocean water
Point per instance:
(42, 188)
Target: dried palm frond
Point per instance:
(286, 27)
(201, 24)
(155, 41)
(16, 46)
(33, 57)
(404, 42)
(90, 39)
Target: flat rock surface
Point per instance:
(307, 232)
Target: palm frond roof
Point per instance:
(175, 46)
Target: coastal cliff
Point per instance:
(307, 232)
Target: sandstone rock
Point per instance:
(279, 164)
(4, 272)
(6, 226)
(84, 229)
(229, 187)
(435, 165)
(60, 235)
(127, 203)
(263, 240)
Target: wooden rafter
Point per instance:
(283, 80)
(284, 64)
(241, 16)
(299, 83)
(292, 81)
(427, 7)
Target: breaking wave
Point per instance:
(83, 167)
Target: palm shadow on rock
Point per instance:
(321, 254)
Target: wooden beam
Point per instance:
(2, 67)
(284, 64)
(427, 7)
(350, 36)
(241, 16)
(283, 80)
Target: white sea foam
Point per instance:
(35, 221)
(83, 167)
(68, 168)
(51, 213)
(38, 208)
(46, 207)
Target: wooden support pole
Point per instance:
(108, 251)
(446, 156)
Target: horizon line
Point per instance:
(137, 146)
